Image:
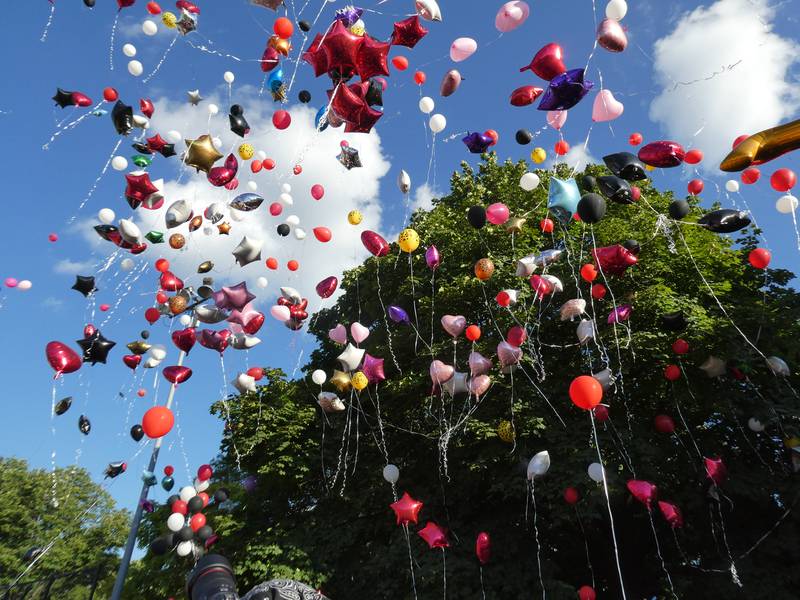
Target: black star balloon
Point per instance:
(96, 348)
(615, 189)
(84, 284)
(64, 98)
(122, 117)
(114, 469)
(625, 165)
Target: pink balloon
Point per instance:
(317, 191)
(606, 107)
(556, 118)
(338, 334)
(479, 385)
(511, 15)
(462, 49)
(358, 332)
(508, 354)
(11, 282)
(281, 313)
(497, 213)
(478, 364)
(644, 491)
(440, 372)
(454, 324)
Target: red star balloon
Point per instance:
(434, 536)
(614, 260)
(146, 106)
(341, 48)
(371, 59)
(156, 143)
(406, 509)
(408, 32)
(138, 189)
(316, 57)
(644, 491)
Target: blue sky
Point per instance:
(665, 92)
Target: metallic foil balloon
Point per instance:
(434, 536)
(611, 36)
(525, 95)
(428, 10)
(625, 165)
(572, 308)
(406, 509)
(248, 251)
(96, 348)
(62, 358)
(615, 189)
(478, 364)
(132, 361)
(238, 123)
(644, 491)
(350, 357)
(515, 224)
(114, 469)
(662, 154)
(222, 176)
(477, 143)
(715, 469)
(84, 284)
(398, 315)
(139, 347)
(201, 153)
(341, 49)
(763, 147)
(233, 297)
(246, 202)
(614, 260)
(565, 90)
(563, 198)
(373, 368)
(330, 402)
(507, 354)
(450, 83)
(122, 117)
(64, 99)
(84, 425)
(340, 380)
(349, 157)
(154, 237)
(454, 325)
(408, 32)
(620, 314)
(371, 58)
(327, 286)
(671, 513)
(271, 4)
(63, 405)
(184, 339)
(374, 243)
(548, 62)
(539, 465)
(270, 59)
(725, 220)
(178, 213)
(138, 188)
(176, 374)
(591, 208)
(457, 384)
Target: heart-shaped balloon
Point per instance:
(132, 360)
(441, 372)
(479, 385)
(358, 332)
(338, 334)
(170, 282)
(606, 107)
(281, 313)
(557, 118)
(548, 62)
(508, 354)
(184, 339)
(254, 323)
(221, 176)
(176, 374)
(215, 340)
(644, 491)
(611, 35)
(478, 364)
(454, 324)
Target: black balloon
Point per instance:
(304, 96)
(63, 98)
(63, 405)
(137, 433)
(167, 150)
(615, 189)
(239, 124)
(304, 26)
(115, 469)
(89, 3)
(122, 117)
(625, 165)
(95, 348)
(221, 495)
(145, 334)
(588, 183)
(32, 553)
(374, 95)
(163, 544)
(674, 321)
(283, 230)
(591, 208)
(141, 148)
(195, 504)
(679, 209)
(171, 500)
(84, 425)
(524, 137)
(185, 534)
(476, 215)
(84, 284)
(204, 533)
(632, 246)
(725, 220)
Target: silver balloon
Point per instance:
(778, 366)
(330, 402)
(129, 231)
(291, 294)
(526, 266)
(548, 257)
(215, 212)
(605, 377)
(178, 213)
(248, 251)
(585, 331)
(457, 384)
(243, 341)
(572, 308)
(539, 465)
(210, 314)
(351, 357)
(244, 383)
(246, 202)
(404, 182)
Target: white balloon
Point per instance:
(252, 186)
(106, 216)
(237, 215)
(732, 186)
(202, 486)
(616, 9)
(426, 104)
(262, 282)
(595, 471)
(185, 320)
(184, 548)
(228, 76)
(778, 366)
(261, 155)
(391, 473)
(585, 331)
(141, 121)
(286, 188)
(299, 233)
(286, 199)
(293, 220)
(539, 464)
(127, 264)
(213, 109)
(319, 377)
(174, 136)
(135, 68)
(176, 521)
(149, 27)
(437, 123)
(130, 231)
(187, 493)
(24, 285)
(786, 204)
(129, 50)
(217, 142)
(404, 181)
(119, 163)
(529, 181)
(755, 425)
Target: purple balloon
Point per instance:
(477, 143)
(372, 367)
(620, 314)
(432, 257)
(349, 15)
(398, 315)
(250, 483)
(565, 91)
(235, 296)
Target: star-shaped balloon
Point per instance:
(371, 59)
(316, 57)
(201, 153)
(114, 469)
(138, 188)
(95, 348)
(194, 97)
(434, 535)
(351, 357)
(156, 143)
(565, 91)
(477, 143)
(155, 237)
(341, 48)
(340, 380)
(224, 228)
(349, 157)
(515, 224)
(349, 15)
(406, 509)
(614, 260)
(248, 250)
(408, 32)
(84, 284)
(233, 297)
(373, 368)
(64, 98)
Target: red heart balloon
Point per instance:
(254, 324)
(62, 358)
(146, 106)
(215, 340)
(132, 360)
(184, 339)
(548, 62)
(284, 301)
(525, 95)
(170, 282)
(176, 374)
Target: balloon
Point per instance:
(477, 143)
(177, 374)
(374, 243)
(755, 425)
(591, 208)
(497, 213)
(786, 204)
(606, 107)
(566, 90)
(437, 123)
(350, 357)
(585, 392)
(616, 9)
(510, 16)
(615, 189)
(473, 333)
(778, 366)
(95, 348)
(483, 546)
(671, 514)
(83, 284)
(484, 269)
(372, 368)
(614, 260)
(406, 509)
(557, 118)
(434, 536)
(588, 272)
(391, 473)
(596, 472)
(644, 491)
(318, 376)
(783, 180)
(620, 314)
(611, 36)
(572, 308)
(440, 372)
(454, 325)
(725, 220)
(763, 147)
(408, 32)
(476, 215)
(586, 593)
(408, 240)
(478, 364)
(547, 63)
(662, 154)
(625, 165)
(759, 258)
(678, 209)
(507, 354)
(523, 137)
(327, 287)
(428, 10)
(157, 422)
(450, 83)
(571, 495)
(539, 465)
(62, 358)
(462, 48)
(529, 182)
(525, 95)
(201, 153)
(398, 315)
(563, 198)
(664, 424)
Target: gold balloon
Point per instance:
(359, 381)
(201, 153)
(246, 151)
(505, 431)
(763, 146)
(224, 228)
(280, 45)
(169, 20)
(354, 217)
(177, 241)
(484, 269)
(358, 28)
(408, 240)
(515, 224)
(340, 380)
(791, 442)
(177, 304)
(538, 155)
(139, 347)
(196, 223)
(205, 266)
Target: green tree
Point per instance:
(320, 512)
(64, 512)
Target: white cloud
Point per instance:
(357, 189)
(52, 303)
(577, 158)
(73, 267)
(423, 197)
(723, 72)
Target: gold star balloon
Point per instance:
(515, 224)
(201, 153)
(340, 380)
(224, 228)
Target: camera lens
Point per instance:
(212, 579)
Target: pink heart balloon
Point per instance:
(479, 385)
(611, 36)
(478, 364)
(358, 332)
(441, 372)
(454, 324)
(508, 354)
(280, 313)
(338, 334)
(557, 118)
(606, 107)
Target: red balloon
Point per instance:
(254, 324)
(162, 265)
(89, 330)
(157, 422)
(110, 94)
(571, 495)
(516, 336)
(327, 287)
(561, 147)
(406, 509)
(715, 469)
(664, 424)
(636, 193)
(525, 95)
(373, 242)
(204, 497)
(184, 339)
(585, 392)
(680, 346)
(170, 282)
(53, 237)
(599, 291)
(268, 164)
(323, 234)
(152, 315)
(169, 470)
(256, 165)
(161, 297)
(153, 8)
(180, 506)
(483, 548)
(473, 333)
(695, 187)
(197, 521)
(256, 373)
(420, 77)
(317, 191)
(204, 472)
(672, 372)
(283, 28)
(671, 513)
(693, 156)
(783, 180)
(759, 258)
(176, 374)
(644, 491)
(503, 299)
(62, 358)
(281, 119)
(434, 535)
(132, 360)
(147, 107)
(275, 209)
(601, 413)
(547, 225)
(293, 265)
(588, 272)
(548, 62)
(739, 140)
(491, 133)
(104, 307)
(635, 139)
(297, 169)
(662, 154)
(750, 176)
(272, 263)
(141, 393)
(400, 63)
(586, 593)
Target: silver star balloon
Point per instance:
(351, 357)
(248, 250)
(194, 97)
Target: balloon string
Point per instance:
(536, 537)
(53, 498)
(49, 22)
(660, 556)
(585, 541)
(483, 590)
(111, 42)
(180, 440)
(796, 231)
(70, 125)
(385, 320)
(161, 62)
(224, 397)
(410, 562)
(444, 573)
